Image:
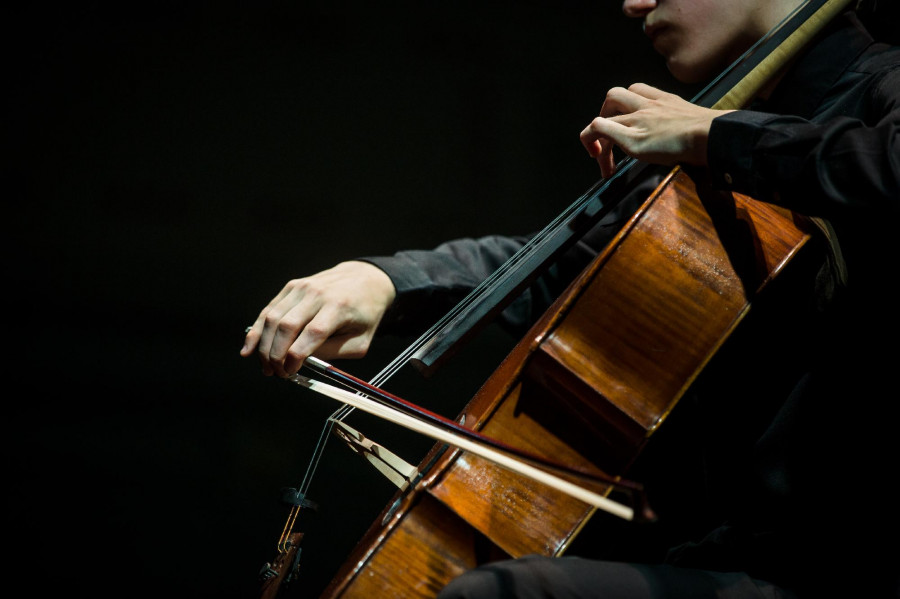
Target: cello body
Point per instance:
(588, 386)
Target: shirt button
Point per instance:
(728, 179)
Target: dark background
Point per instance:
(173, 165)
(169, 166)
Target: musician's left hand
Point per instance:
(650, 125)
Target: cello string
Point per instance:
(319, 450)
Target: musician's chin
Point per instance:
(690, 71)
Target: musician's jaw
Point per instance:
(699, 38)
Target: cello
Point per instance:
(611, 359)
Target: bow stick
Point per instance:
(362, 401)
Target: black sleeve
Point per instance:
(845, 167)
(430, 282)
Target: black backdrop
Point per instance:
(171, 166)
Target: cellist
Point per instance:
(792, 446)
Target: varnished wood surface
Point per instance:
(588, 386)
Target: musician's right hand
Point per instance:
(331, 314)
